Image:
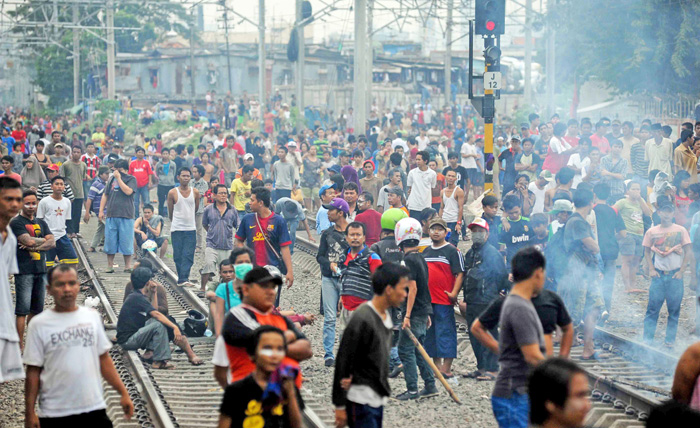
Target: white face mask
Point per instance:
(479, 238)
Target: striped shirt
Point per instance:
(640, 166)
(45, 190)
(93, 163)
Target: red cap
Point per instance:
(52, 167)
(479, 222)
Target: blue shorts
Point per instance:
(65, 252)
(119, 236)
(441, 339)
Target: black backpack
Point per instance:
(195, 324)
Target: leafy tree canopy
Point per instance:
(636, 46)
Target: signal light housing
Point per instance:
(490, 17)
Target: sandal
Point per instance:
(473, 375)
(128, 270)
(109, 270)
(92, 250)
(486, 377)
(162, 365)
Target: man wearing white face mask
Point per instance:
(485, 277)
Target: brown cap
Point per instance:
(437, 222)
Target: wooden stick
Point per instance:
(432, 365)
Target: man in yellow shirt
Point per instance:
(240, 190)
(684, 158)
(98, 136)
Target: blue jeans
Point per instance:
(513, 412)
(184, 242)
(292, 226)
(454, 236)
(663, 288)
(140, 196)
(410, 357)
(364, 416)
(330, 292)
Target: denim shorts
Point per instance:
(631, 245)
(119, 236)
(441, 338)
(30, 290)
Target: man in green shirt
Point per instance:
(75, 172)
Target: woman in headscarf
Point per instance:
(349, 173)
(32, 174)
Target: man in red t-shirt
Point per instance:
(598, 139)
(20, 136)
(369, 217)
(259, 291)
(141, 169)
(445, 270)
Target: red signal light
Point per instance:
(490, 25)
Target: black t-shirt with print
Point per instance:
(30, 262)
(549, 306)
(419, 272)
(243, 404)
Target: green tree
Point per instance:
(645, 46)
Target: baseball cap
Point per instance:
(437, 222)
(562, 205)
(292, 144)
(326, 187)
(248, 156)
(59, 145)
(260, 275)
(335, 168)
(338, 204)
(479, 221)
(666, 207)
(547, 175)
(52, 167)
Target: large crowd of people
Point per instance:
(403, 242)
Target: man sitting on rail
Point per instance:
(141, 326)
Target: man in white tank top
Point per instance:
(183, 202)
(452, 206)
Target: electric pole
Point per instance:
(111, 68)
(76, 56)
(550, 64)
(448, 54)
(228, 51)
(261, 56)
(299, 75)
(359, 61)
(192, 88)
(528, 53)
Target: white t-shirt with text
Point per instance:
(67, 346)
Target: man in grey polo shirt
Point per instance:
(219, 220)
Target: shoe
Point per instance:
(396, 371)
(330, 362)
(428, 391)
(408, 395)
(604, 317)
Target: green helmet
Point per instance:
(391, 217)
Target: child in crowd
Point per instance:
(540, 225)
(520, 232)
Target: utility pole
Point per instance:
(550, 63)
(360, 75)
(299, 74)
(228, 52)
(111, 68)
(528, 53)
(76, 56)
(261, 56)
(448, 54)
(192, 88)
(370, 55)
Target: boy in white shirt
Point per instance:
(55, 210)
(67, 356)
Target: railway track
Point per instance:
(185, 397)
(624, 388)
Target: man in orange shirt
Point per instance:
(259, 292)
